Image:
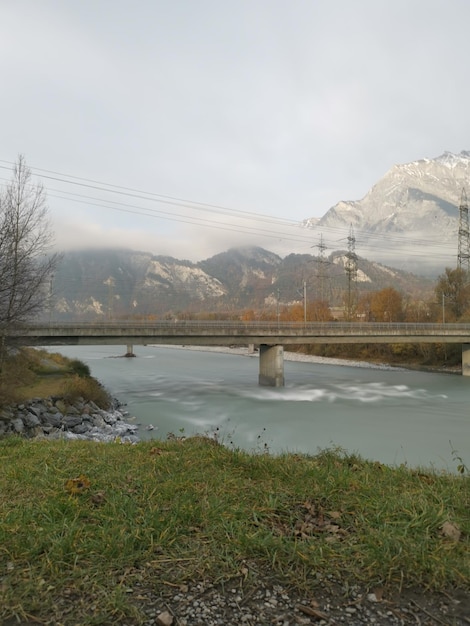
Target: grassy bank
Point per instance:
(85, 525)
(31, 373)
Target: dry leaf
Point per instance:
(77, 485)
(98, 498)
(378, 592)
(451, 531)
(157, 451)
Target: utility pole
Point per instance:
(110, 282)
(305, 301)
(51, 303)
(277, 307)
(304, 298)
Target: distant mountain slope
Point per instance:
(410, 218)
(102, 284)
(247, 273)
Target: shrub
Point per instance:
(88, 388)
(80, 368)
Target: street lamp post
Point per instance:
(305, 302)
(304, 298)
(444, 307)
(278, 312)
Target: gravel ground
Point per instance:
(265, 603)
(260, 601)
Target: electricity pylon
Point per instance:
(350, 267)
(321, 267)
(463, 255)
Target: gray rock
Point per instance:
(70, 421)
(97, 420)
(52, 419)
(110, 418)
(93, 407)
(30, 420)
(82, 428)
(17, 425)
(6, 414)
(36, 410)
(61, 406)
(32, 433)
(47, 429)
(72, 410)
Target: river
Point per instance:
(390, 415)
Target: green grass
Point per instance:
(161, 513)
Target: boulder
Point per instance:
(31, 420)
(17, 425)
(82, 428)
(70, 421)
(52, 419)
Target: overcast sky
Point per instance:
(279, 108)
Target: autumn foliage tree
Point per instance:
(386, 305)
(453, 292)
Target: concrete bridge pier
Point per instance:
(271, 366)
(466, 359)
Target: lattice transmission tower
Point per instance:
(350, 267)
(321, 267)
(463, 255)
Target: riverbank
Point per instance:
(186, 532)
(288, 356)
(308, 358)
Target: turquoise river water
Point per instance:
(390, 415)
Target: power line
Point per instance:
(151, 196)
(195, 221)
(375, 243)
(199, 221)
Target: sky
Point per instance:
(186, 127)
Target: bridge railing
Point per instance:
(251, 327)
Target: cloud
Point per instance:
(258, 105)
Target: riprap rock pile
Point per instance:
(55, 418)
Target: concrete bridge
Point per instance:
(271, 337)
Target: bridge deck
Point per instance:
(200, 332)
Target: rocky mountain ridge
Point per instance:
(105, 284)
(409, 218)
(408, 222)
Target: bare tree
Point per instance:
(26, 262)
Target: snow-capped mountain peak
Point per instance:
(412, 210)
